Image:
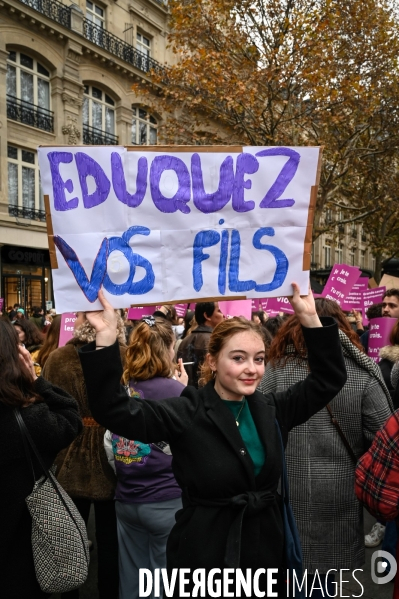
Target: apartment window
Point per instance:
(143, 44)
(95, 14)
(352, 257)
(23, 179)
(329, 216)
(362, 258)
(313, 256)
(373, 264)
(327, 256)
(98, 114)
(339, 254)
(28, 91)
(144, 128)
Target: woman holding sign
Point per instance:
(225, 441)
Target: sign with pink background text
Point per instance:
(140, 312)
(340, 282)
(379, 333)
(181, 310)
(370, 297)
(280, 304)
(67, 327)
(354, 299)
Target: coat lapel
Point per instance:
(224, 421)
(264, 416)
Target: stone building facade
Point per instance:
(66, 72)
(343, 244)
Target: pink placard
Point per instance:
(379, 333)
(354, 299)
(236, 308)
(263, 304)
(67, 327)
(370, 297)
(280, 304)
(181, 310)
(362, 284)
(340, 282)
(140, 312)
(255, 305)
(1, 303)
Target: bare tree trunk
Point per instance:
(378, 267)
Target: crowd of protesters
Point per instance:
(172, 420)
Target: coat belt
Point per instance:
(247, 504)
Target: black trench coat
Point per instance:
(210, 461)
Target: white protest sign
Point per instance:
(176, 224)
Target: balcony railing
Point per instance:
(25, 212)
(106, 40)
(52, 9)
(29, 114)
(96, 137)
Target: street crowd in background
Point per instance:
(131, 483)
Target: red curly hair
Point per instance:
(290, 333)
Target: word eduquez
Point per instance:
(232, 182)
(231, 582)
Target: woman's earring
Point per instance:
(214, 373)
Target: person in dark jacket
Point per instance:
(224, 437)
(194, 347)
(82, 468)
(38, 317)
(51, 417)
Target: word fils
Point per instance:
(204, 239)
(190, 184)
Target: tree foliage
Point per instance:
(292, 72)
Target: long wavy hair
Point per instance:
(33, 337)
(16, 386)
(148, 352)
(219, 337)
(51, 340)
(290, 333)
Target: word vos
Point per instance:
(232, 182)
(202, 240)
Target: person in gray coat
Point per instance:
(320, 466)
